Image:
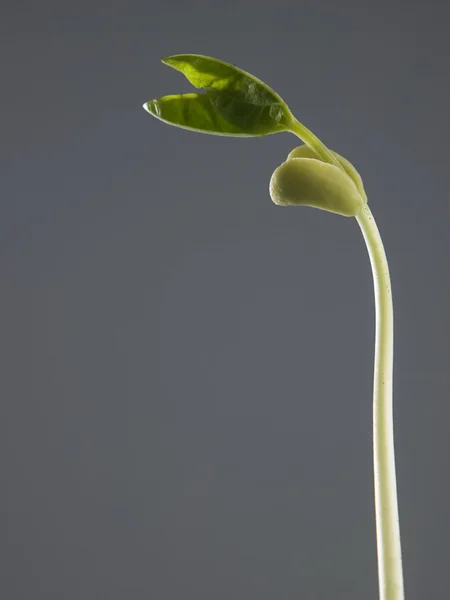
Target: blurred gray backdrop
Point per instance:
(187, 368)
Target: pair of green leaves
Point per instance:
(234, 103)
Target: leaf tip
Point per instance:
(152, 107)
(170, 61)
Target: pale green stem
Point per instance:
(386, 508)
(314, 143)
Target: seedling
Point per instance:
(234, 103)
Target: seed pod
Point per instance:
(305, 151)
(311, 182)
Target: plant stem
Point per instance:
(390, 574)
(314, 143)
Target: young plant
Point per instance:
(234, 103)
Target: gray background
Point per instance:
(186, 368)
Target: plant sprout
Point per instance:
(234, 103)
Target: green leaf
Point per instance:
(304, 151)
(311, 182)
(191, 111)
(234, 103)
